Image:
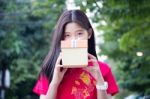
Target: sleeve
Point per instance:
(41, 86)
(112, 85)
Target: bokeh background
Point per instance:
(122, 30)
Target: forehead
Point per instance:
(73, 27)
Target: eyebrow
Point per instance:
(79, 30)
(76, 30)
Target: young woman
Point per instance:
(92, 82)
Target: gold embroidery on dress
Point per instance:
(86, 93)
(74, 90)
(77, 82)
(85, 78)
(83, 93)
(80, 93)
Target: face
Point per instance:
(75, 31)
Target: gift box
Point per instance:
(74, 53)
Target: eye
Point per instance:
(80, 33)
(67, 35)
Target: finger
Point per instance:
(93, 62)
(59, 65)
(93, 67)
(59, 59)
(58, 68)
(91, 56)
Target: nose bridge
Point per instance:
(74, 36)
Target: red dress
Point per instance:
(79, 84)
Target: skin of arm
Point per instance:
(56, 80)
(94, 70)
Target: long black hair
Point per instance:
(76, 16)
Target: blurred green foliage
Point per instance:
(125, 24)
(25, 38)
